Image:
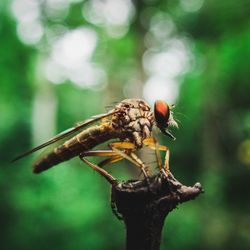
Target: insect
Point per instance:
(130, 122)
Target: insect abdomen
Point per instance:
(85, 140)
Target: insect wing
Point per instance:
(66, 133)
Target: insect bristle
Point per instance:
(171, 121)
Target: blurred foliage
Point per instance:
(68, 206)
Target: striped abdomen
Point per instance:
(83, 141)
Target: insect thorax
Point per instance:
(134, 120)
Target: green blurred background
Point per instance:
(63, 61)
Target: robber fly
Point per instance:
(130, 122)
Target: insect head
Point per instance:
(164, 117)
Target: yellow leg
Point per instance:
(99, 153)
(151, 142)
(113, 156)
(104, 173)
(166, 163)
(116, 155)
(143, 167)
(122, 145)
(110, 160)
(127, 154)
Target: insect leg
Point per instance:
(152, 143)
(143, 167)
(122, 145)
(104, 173)
(127, 154)
(110, 160)
(113, 156)
(166, 162)
(99, 153)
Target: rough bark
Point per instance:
(144, 205)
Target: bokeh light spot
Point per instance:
(70, 59)
(113, 15)
(29, 26)
(158, 88)
(191, 5)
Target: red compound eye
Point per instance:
(162, 112)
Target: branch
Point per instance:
(144, 204)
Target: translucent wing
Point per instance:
(66, 133)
